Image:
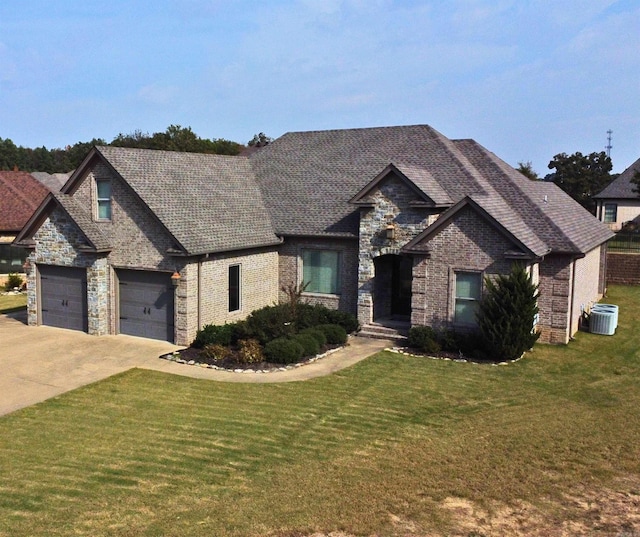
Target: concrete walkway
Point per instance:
(39, 362)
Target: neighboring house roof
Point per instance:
(308, 178)
(208, 203)
(20, 196)
(53, 181)
(622, 187)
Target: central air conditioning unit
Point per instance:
(602, 322)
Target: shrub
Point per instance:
(335, 334)
(249, 351)
(283, 351)
(309, 344)
(214, 334)
(13, 280)
(215, 351)
(269, 323)
(424, 339)
(318, 335)
(507, 314)
(345, 320)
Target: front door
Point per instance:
(401, 286)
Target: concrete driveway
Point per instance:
(39, 362)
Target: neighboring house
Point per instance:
(53, 181)
(20, 196)
(394, 222)
(618, 203)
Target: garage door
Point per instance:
(146, 304)
(63, 297)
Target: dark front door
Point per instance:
(401, 286)
(63, 297)
(146, 304)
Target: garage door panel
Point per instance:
(63, 297)
(146, 304)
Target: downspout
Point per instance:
(199, 295)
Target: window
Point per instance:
(234, 287)
(103, 197)
(610, 212)
(468, 294)
(321, 271)
(11, 259)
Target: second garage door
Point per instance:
(63, 297)
(146, 304)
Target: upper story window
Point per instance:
(321, 271)
(610, 212)
(103, 199)
(468, 295)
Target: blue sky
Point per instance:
(526, 79)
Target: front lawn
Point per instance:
(392, 446)
(9, 303)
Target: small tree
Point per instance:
(507, 313)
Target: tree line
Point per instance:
(175, 138)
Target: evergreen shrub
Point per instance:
(423, 338)
(335, 334)
(318, 335)
(309, 344)
(211, 334)
(283, 351)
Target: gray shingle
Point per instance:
(621, 187)
(209, 203)
(85, 222)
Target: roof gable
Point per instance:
(622, 187)
(492, 211)
(420, 181)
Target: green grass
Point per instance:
(145, 453)
(9, 303)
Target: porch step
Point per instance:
(396, 332)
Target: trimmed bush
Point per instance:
(249, 351)
(213, 334)
(423, 338)
(308, 316)
(13, 281)
(269, 323)
(345, 320)
(318, 335)
(335, 334)
(283, 351)
(309, 344)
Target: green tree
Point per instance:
(635, 181)
(526, 169)
(582, 176)
(507, 315)
(259, 140)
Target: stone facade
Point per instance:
(392, 212)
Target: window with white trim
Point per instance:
(321, 271)
(103, 199)
(468, 293)
(234, 287)
(610, 212)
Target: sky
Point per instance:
(527, 79)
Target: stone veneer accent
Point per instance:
(57, 243)
(555, 289)
(391, 199)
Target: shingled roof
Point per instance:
(209, 203)
(20, 196)
(622, 187)
(308, 178)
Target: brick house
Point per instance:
(393, 222)
(20, 196)
(618, 203)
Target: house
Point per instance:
(618, 203)
(392, 222)
(20, 196)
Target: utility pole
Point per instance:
(609, 146)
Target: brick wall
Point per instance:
(290, 270)
(556, 272)
(467, 243)
(586, 286)
(623, 268)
